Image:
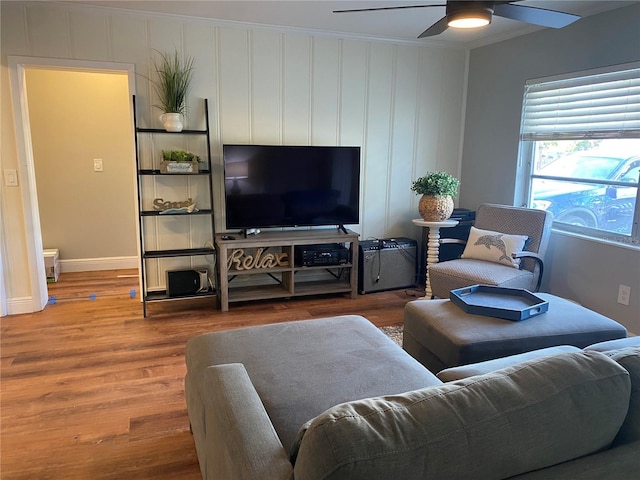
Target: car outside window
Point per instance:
(591, 189)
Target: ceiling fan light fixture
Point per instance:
(469, 18)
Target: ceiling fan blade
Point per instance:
(401, 7)
(534, 15)
(435, 29)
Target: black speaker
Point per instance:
(387, 264)
(187, 282)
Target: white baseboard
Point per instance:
(93, 264)
(19, 305)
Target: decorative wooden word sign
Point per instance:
(239, 261)
(160, 204)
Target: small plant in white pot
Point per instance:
(172, 85)
(438, 189)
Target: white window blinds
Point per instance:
(603, 105)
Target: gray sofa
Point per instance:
(335, 398)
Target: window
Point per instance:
(580, 137)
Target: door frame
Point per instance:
(31, 214)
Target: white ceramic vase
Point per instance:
(172, 122)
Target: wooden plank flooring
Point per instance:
(92, 390)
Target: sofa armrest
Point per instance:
(241, 442)
(488, 366)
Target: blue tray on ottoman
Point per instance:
(500, 302)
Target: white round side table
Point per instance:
(432, 247)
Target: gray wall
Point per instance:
(583, 270)
(89, 216)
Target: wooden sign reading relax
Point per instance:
(239, 261)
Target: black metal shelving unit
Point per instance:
(157, 216)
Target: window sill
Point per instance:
(614, 241)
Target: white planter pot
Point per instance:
(172, 122)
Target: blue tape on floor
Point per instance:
(52, 299)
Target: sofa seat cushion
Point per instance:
(301, 368)
(466, 371)
(463, 272)
(612, 345)
(522, 418)
(620, 463)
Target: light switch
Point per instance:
(11, 178)
(97, 165)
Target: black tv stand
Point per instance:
(341, 227)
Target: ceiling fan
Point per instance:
(476, 13)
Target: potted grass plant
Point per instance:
(172, 86)
(438, 189)
(179, 161)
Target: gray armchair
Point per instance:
(463, 272)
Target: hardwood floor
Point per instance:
(92, 390)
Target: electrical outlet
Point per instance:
(624, 292)
(97, 165)
(11, 178)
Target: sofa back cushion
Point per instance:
(629, 358)
(529, 416)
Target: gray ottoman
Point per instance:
(441, 335)
(300, 369)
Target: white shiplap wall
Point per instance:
(402, 103)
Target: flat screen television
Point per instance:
(290, 186)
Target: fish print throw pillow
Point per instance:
(494, 246)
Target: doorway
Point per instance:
(21, 69)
